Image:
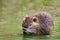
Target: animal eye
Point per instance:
(34, 19)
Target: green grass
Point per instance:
(12, 13)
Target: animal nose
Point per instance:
(24, 29)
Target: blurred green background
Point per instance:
(12, 13)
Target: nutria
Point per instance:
(39, 24)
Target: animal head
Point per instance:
(31, 24)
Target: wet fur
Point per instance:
(45, 23)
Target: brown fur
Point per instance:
(42, 25)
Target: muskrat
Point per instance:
(39, 24)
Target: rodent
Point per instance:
(39, 24)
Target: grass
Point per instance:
(13, 12)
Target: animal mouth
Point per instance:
(29, 30)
